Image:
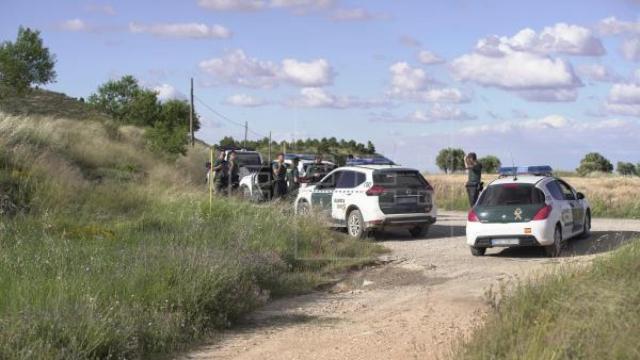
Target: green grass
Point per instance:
(109, 251)
(591, 313)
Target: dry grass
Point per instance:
(610, 196)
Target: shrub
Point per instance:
(594, 162)
(450, 160)
(490, 164)
(626, 168)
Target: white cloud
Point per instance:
(613, 26)
(559, 39)
(450, 95)
(354, 14)
(405, 78)
(597, 72)
(515, 70)
(313, 97)
(244, 100)
(314, 73)
(167, 92)
(631, 49)
(625, 94)
(232, 5)
(104, 9)
(550, 95)
(183, 30)
(73, 25)
(429, 58)
(236, 68)
(623, 109)
(548, 122)
(435, 113)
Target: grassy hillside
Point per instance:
(110, 251)
(576, 314)
(609, 196)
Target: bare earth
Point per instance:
(429, 296)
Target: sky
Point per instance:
(532, 82)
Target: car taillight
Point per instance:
(375, 190)
(472, 216)
(429, 187)
(543, 213)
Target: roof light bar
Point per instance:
(539, 170)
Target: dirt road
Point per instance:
(428, 297)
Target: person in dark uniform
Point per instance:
(279, 177)
(294, 175)
(221, 174)
(474, 181)
(317, 170)
(234, 172)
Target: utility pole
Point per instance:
(269, 148)
(193, 138)
(246, 131)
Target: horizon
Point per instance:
(413, 79)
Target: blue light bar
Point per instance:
(377, 160)
(540, 170)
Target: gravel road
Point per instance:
(428, 296)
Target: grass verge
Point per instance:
(591, 313)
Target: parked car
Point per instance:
(527, 206)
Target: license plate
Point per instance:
(407, 200)
(503, 242)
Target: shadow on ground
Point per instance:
(436, 231)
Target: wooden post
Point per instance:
(246, 131)
(270, 148)
(193, 138)
(210, 178)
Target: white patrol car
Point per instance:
(363, 197)
(527, 206)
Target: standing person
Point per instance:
(474, 180)
(221, 173)
(294, 175)
(280, 177)
(234, 172)
(317, 170)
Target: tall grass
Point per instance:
(609, 196)
(110, 252)
(573, 314)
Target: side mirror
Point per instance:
(580, 196)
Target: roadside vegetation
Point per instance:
(110, 250)
(591, 313)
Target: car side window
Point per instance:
(350, 179)
(566, 191)
(555, 190)
(329, 183)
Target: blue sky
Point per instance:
(539, 81)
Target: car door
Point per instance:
(343, 196)
(577, 209)
(564, 205)
(322, 195)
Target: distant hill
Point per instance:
(51, 104)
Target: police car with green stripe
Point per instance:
(527, 206)
(371, 194)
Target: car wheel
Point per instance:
(478, 251)
(554, 249)
(303, 208)
(587, 227)
(355, 225)
(419, 231)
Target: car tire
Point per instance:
(555, 249)
(303, 208)
(478, 251)
(419, 231)
(355, 225)
(586, 232)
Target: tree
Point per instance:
(176, 113)
(25, 63)
(490, 164)
(626, 169)
(127, 102)
(594, 162)
(450, 160)
(371, 149)
(166, 139)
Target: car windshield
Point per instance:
(399, 178)
(248, 159)
(511, 194)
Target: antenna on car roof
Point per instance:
(515, 170)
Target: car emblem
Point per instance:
(518, 214)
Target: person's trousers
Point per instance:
(280, 189)
(473, 190)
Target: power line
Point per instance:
(223, 117)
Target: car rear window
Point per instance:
(402, 178)
(248, 159)
(511, 194)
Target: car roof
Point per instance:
(376, 167)
(520, 179)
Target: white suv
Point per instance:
(365, 198)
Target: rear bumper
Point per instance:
(525, 240)
(533, 233)
(402, 221)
